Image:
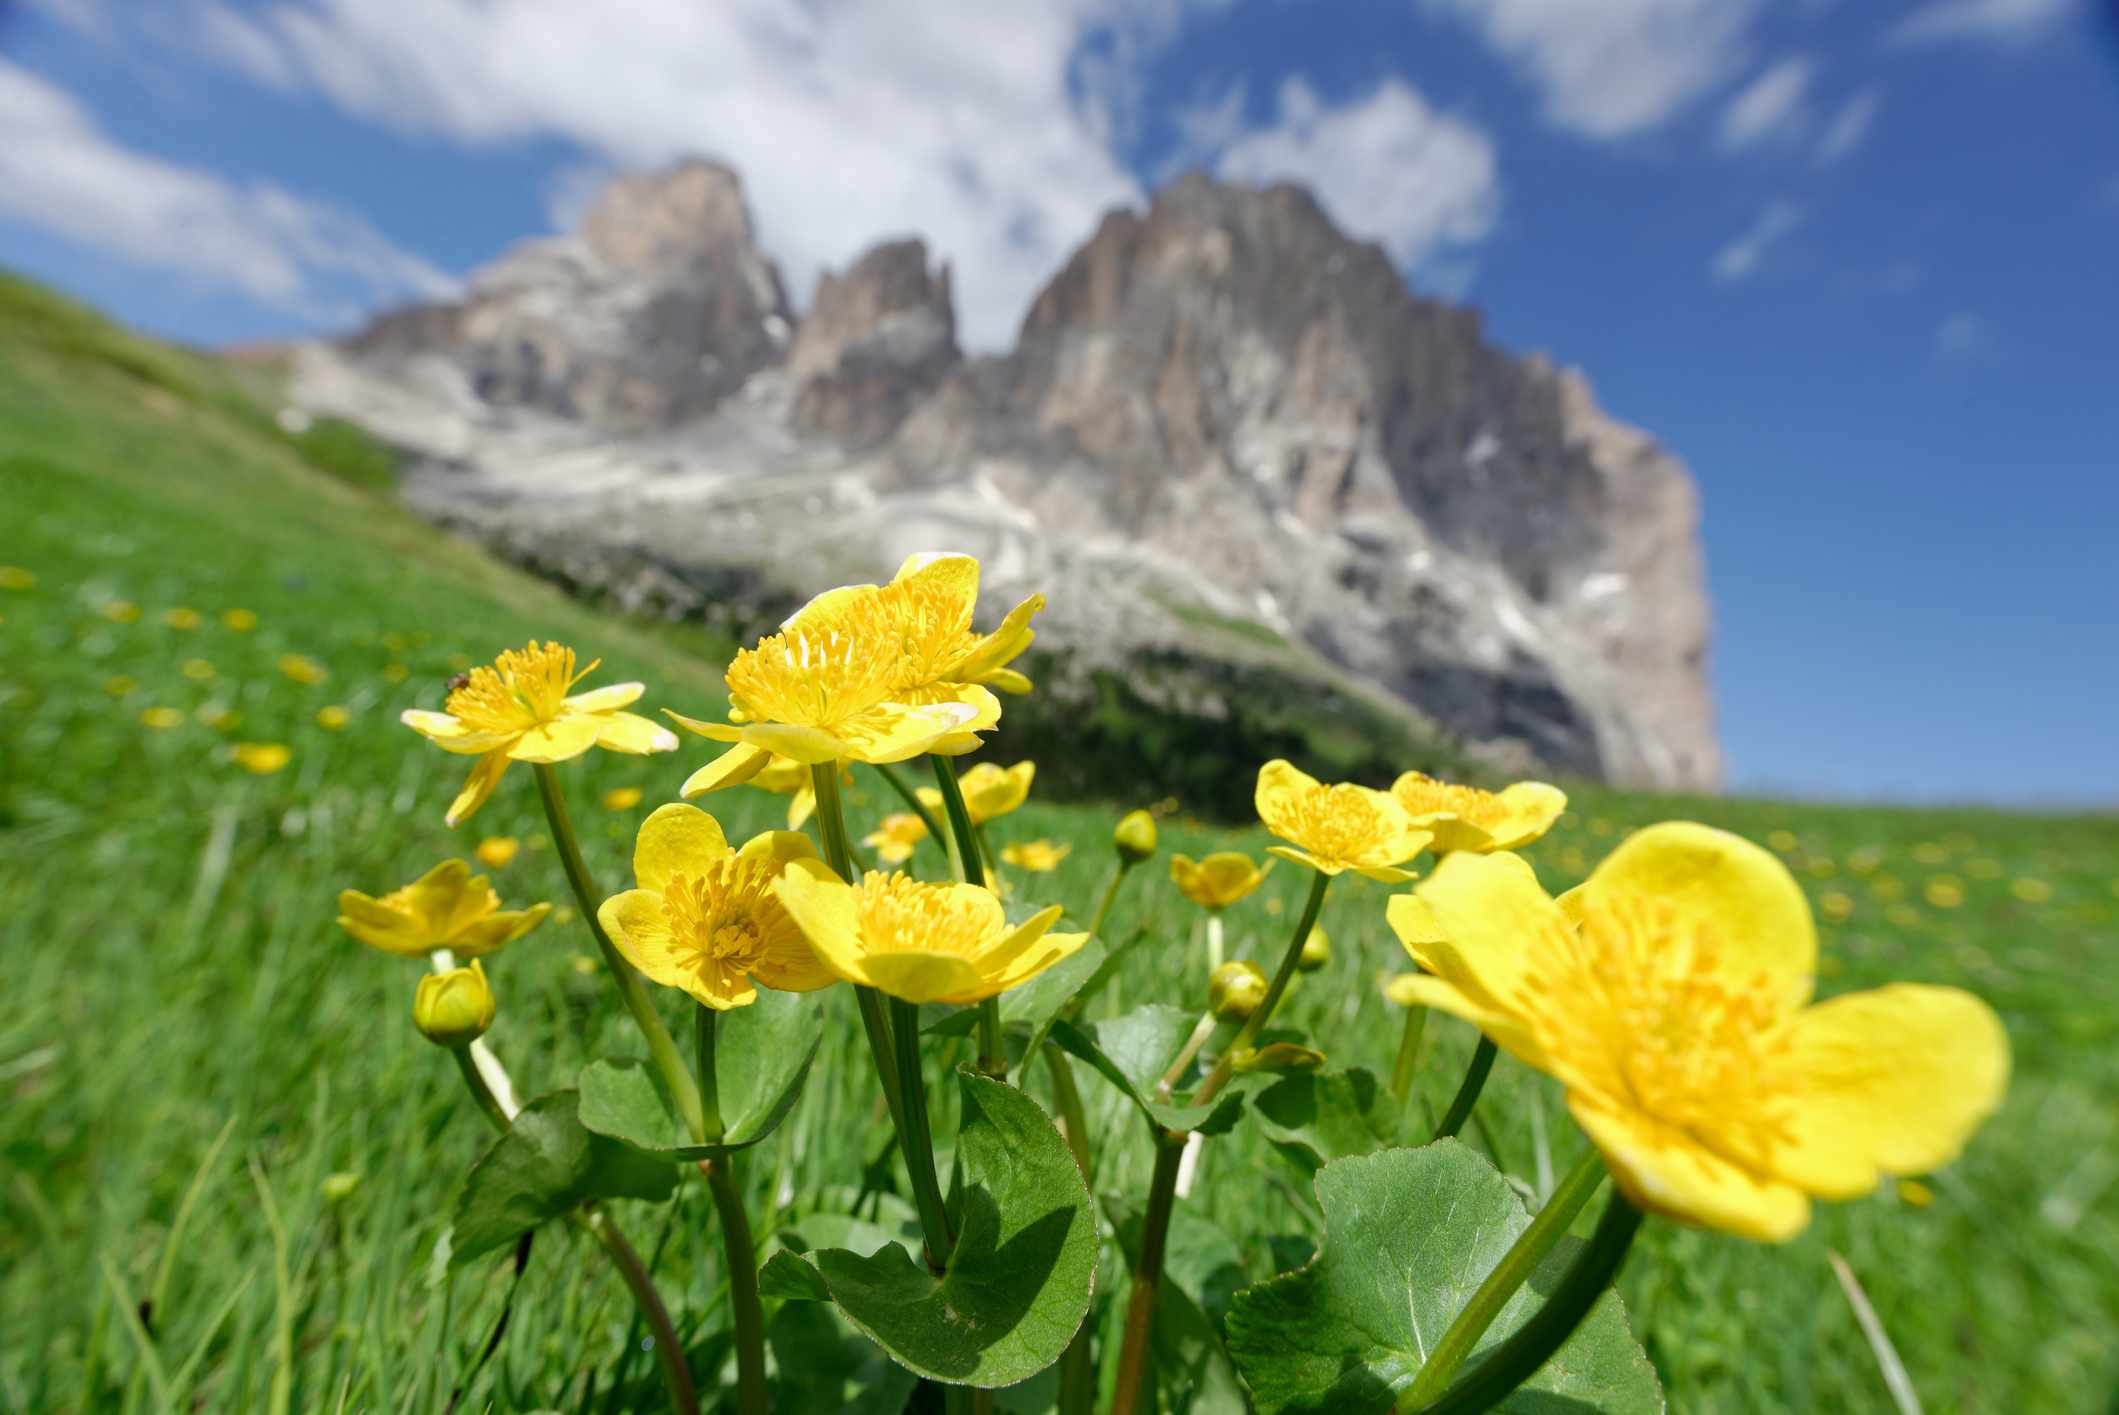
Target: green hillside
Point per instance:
(192, 1056)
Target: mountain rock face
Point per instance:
(1228, 435)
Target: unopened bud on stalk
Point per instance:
(453, 1009)
(1316, 951)
(1135, 837)
(1235, 990)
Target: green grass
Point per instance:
(189, 1047)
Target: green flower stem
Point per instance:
(912, 800)
(1077, 1364)
(709, 1079)
(990, 861)
(993, 1055)
(917, 1139)
(1215, 948)
(1200, 1032)
(1520, 1357)
(1103, 906)
(1148, 1272)
(1510, 1273)
(1460, 1106)
(1223, 1068)
(1408, 1053)
(476, 1084)
(669, 1348)
(967, 849)
(742, 1256)
(662, 1050)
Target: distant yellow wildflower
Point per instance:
(2031, 891)
(1944, 891)
(1134, 837)
(1219, 880)
(989, 791)
(181, 618)
(118, 685)
(1037, 856)
(1337, 828)
(242, 621)
(161, 718)
(1915, 1193)
(1782, 840)
(333, 718)
(621, 798)
(119, 611)
(302, 669)
(15, 577)
(921, 942)
(1669, 995)
(1466, 818)
(262, 758)
(497, 852)
(706, 919)
(1836, 905)
(198, 670)
(518, 710)
(447, 907)
(896, 836)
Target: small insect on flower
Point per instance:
(518, 709)
(1336, 828)
(1466, 818)
(261, 758)
(1221, 879)
(1671, 996)
(447, 907)
(181, 618)
(240, 621)
(921, 942)
(333, 718)
(621, 798)
(705, 918)
(1037, 856)
(497, 852)
(895, 837)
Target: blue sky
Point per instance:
(1854, 262)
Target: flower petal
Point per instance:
(822, 907)
(631, 733)
(721, 987)
(640, 930)
(1049, 949)
(478, 788)
(947, 576)
(1005, 680)
(894, 732)
(1482, 912)
(1304, 857)
(449, 734)
(1532, 806)
(928, 977)
(1280, 785)
(1892, 1081)
(778, 848)
(808, 745)
(1664, 1170)
(483, 936)
(1508, 1031)
(380, 926)
(559, 740)
(616, 696)
(676, 839)
(732, 768)
(987, 657)
(1741, 889)
(828, 606)
(719, 731)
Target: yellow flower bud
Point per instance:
(1235, 990)
(1135, 837)
(340, 1186)
(1316, 951)
(453, 1009)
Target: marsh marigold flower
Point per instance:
(896, 836)
(181, 618)
(921, 942)
(1670, 995)
(453, 1009)
(868, 673)
(518, 710)
(497, 852)
(447, 907)
(1336, 828)
(241, 621)
(1037, 856)
(300, 668)
(333, 718)
(261, 758)
(1219, 880)
(1466, 818)
(621, 798)
(704, 917)
(989, 791)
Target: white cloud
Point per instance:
(2010, 21)
(1740, 259)
(988, 129)
(1388, 168)
(1769, 107)
(60, 173)
(1849, 125)
(1614, 68)
(1962, 335)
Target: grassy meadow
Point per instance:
(228, 1155)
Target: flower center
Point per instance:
(724, 916)
(902, 915)
(1427, 796)
(1340, 822)
(522, 689)
(931, 629)
(812, 677)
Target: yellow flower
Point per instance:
(988, 790)
(2031, 891)
(447, 907)
(262, 758)
(1336, 828)
(181, 618)
(918, 941)
(333, 718)
(1235, 990)
(120, 611)
(1782, 840)
(518, 710)
(119, 686)
(304, 670)
(928, 606)
(1466, 818)
(14, 577)
(1037, 856)
(1669, 994)
(497, 852)
(1316, 950)
(621, 798)
(1837, 905)
(1218, 881)
(1915, 1193)
(161, 718)
(242, 621)
(784, 777)
(453, 1009)
(896, 836)
(706, 919)
(1944, 891)
(1134, 837)
(198, 670)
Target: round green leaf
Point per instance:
(1409, 1235)
(1328, 1115)
(1016, 1287)
(543, 1166)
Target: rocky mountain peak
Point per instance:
(691, 213)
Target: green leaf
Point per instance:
(761, 1059)
(1027, 1012)
(1016, 1287)
(1409, 1235)
(543, 1166)
(1328, 1115)
(1133, 1051)
(825, 1367)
